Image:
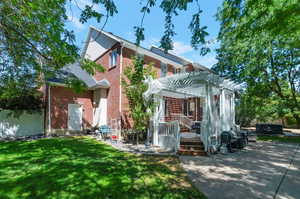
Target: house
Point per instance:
(104, 103)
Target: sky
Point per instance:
(129, 16)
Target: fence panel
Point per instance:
(24, 125)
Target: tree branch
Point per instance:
(25, 39)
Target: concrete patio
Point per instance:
(262, 170)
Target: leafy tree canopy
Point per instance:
(34, 42)
(264, 56)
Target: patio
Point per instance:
(263, 170)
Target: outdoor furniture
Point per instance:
(231, 140)
(104, 131)
(269, 129)
(197, 127)
(226, 138)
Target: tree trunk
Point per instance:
(297, 117)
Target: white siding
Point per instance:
(98, 44)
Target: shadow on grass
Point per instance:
(84, 168)
(278, 138)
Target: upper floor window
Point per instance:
(113, 58)
(163, 69)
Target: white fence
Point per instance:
(24, 125)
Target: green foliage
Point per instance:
(19, 91)
(263, 56)
(172, 9)
(134, 87)
(83, 168)
(91, 67)
(35, 45)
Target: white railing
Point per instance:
(169, 135)
(183, 120)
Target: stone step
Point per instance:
(192, 147)
(191, 142)
(192, 152)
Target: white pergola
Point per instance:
(202, 84)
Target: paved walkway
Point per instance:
(263, 170)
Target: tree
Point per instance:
(33, 33)
(265, 58)
(133, 83)
(34, 44)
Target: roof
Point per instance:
(75, 71)
(155, 52)
(130, 45)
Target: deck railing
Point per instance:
(183, 120)
(169, 135)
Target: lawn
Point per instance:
(67, 168)
(286, 139)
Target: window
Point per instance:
(185, 107)
(163, 69)
(113, 58)
(189, 107)
(167, 107)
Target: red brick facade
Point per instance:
(117, 103)
(60, 97)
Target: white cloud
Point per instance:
(82, 3)
(180, 48)
(208, 60)
(75, 21)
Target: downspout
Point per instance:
(120, 92)
(49, 109)
(45, 104)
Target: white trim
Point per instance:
(87, 41)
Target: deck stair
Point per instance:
(191, 146)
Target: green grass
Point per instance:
(286, 139)
(71, 168)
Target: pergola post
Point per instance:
(157, 116)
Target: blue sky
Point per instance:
(129, 16)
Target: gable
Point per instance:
(97, 44)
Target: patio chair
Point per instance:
(104, 131)
(240, 141)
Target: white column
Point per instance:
(233, 108)
(157, 117)
(222, 109)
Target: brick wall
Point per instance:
(60, 98)
(127, 61)
(113, 76)
(175, 106)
